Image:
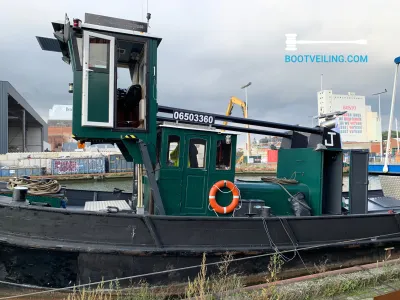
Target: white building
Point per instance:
(359, 124)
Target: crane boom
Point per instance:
(236, 101)
(228, 112)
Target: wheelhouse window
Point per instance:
(131, 84)
(79, 44)
(173, 151)
(197, 153)
(224, 154)
(98, 53)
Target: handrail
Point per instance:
(317, 130)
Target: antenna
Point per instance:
(148, 16)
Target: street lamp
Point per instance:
(247, 115)
(385, 167)
(380, 118)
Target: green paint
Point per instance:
(304, 165)
(194, 183)
(314, 169)
(53, 201)
(98, 91)
(184, 190)
(146, 192)
(273, 195)
(98, 104)
(71, 54)
(130, 150)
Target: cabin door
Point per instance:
(98, 80)
(195, 175)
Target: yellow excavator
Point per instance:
(242, 104)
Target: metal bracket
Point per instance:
(152, 179)
(150, 225)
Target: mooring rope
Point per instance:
(281, 182)
(198, 266)
(35, 187)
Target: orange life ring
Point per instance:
(213, 202)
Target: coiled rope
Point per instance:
(281, 182)
(35, 187)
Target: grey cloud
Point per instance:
(211, 48)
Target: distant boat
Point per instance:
(379, 168)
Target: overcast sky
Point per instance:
(211, 48)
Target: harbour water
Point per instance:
(126, 183)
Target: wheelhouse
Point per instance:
(190, 160)
(114, 64)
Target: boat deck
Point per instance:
(377, 203)
(110, 206)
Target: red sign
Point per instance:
(349, 107)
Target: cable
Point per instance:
(28, 286)
(198, 266)
(295, 247)
(273, 245)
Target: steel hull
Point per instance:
(80, 246)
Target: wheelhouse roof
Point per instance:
(97, 23)
(118, 30)
(196, 128)
(104, 23)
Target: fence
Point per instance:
(19, 172)
(23, 166)
(118, 164)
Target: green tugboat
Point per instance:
(187, 200)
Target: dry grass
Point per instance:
(227, 285)
(114, 292)
(328, 287)
(204, 288)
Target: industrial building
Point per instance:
(360, 124)
(21, 127)
(60, 127)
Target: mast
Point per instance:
(385, 167)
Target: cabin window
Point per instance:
(131, 84)
(197, 153)
(98, 53)
(224, 153)
(173, 151)
(79, 43)
(123, 77)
